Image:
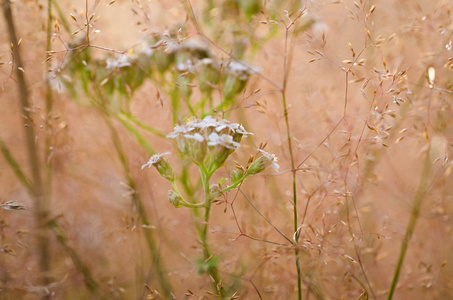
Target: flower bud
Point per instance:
(262, 163)
(214, 191)
(175, 199)
(239, 132)
(237, 175)
(162, 166)
(259, 165)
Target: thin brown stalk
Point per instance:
(32, 150)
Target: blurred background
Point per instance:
(362, 90)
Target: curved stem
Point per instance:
(184, 202)
(235, 185)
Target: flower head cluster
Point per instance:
(214, 132)
(209, 142)
(219, 136)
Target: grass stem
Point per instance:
(41, 213)
(160, 270)
(418, 200)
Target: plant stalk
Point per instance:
(161, 274)
(419, 196)
(203, 233)
(37, 189)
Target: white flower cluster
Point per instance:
(224, 140)
(117, 63)
(212, 131)
(240, 70)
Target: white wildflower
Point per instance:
(224, 140)
(122, 61)
(207, 122)
(55, 81)
(186, 66)
(237, 67)
(155, 159)
(196, 136)
(241, 70)
(55, 77)
(242, 131)
(262, 163)
(272, 158)
(208, 61)
(145, 49)
(181, 129)
(162, 166)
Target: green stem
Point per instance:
(203, 232)
(174, 97)
(136, 134)
(46, 201)
(161, 274)
(419, 196)
(90, 282)
(235, 185)
(131, 118)
(184, 202)
(62, 16)
(286, 63)
(296, 250)
(16, 167)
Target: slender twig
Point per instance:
(264, 217)
(136, 134)
(16, 167)
(418, 200)
(90, 282)
(290, 148)
(87, 22)
(141, 125)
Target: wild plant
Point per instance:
(208, 143)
